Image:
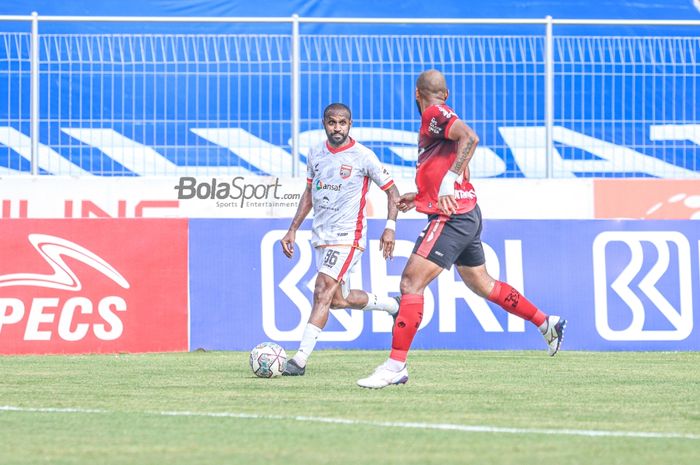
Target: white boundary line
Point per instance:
(380, 424)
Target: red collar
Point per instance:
(334, 150)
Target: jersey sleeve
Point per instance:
(437, 121)
(377, 172)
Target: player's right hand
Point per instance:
(288, 243)
(446, 195)
(406, 202)
(447, 204)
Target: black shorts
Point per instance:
(454, 240)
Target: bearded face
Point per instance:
(337, 125)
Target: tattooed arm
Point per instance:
(466, 145)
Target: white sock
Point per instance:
(376, 302)
(307, 344)
(394, 365)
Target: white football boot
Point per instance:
(554, 334)
(383, 377)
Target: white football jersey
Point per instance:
(339, 181)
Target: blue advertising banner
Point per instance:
(623, 285)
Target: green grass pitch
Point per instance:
(458, 407)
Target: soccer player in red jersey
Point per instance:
(445, 147)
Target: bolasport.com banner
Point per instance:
(249, 196)
(87, 286)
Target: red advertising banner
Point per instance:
(649, 199)
(93, 286)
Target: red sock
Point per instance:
(407, 323)
(513, 302)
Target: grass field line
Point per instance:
(379, 424)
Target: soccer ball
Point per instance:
(268, 360)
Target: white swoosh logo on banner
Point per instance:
(648, 284)
(622, 287)
(53, 249)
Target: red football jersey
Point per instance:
(436, 154)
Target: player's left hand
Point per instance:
(406, 202)
(387, 242)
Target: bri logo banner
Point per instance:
(623, 285)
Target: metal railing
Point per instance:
(296, 118)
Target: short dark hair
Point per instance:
(337, 107)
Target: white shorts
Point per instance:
(337, 262)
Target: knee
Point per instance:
(323, 293)
(338, 302)
(409, 285)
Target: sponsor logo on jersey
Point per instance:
(434, 126)
(320, 185)
(445, 112)
(469, 195)
(345, 171)
(325, 204)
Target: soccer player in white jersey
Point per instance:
(338, 177)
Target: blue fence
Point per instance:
(181, 102)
